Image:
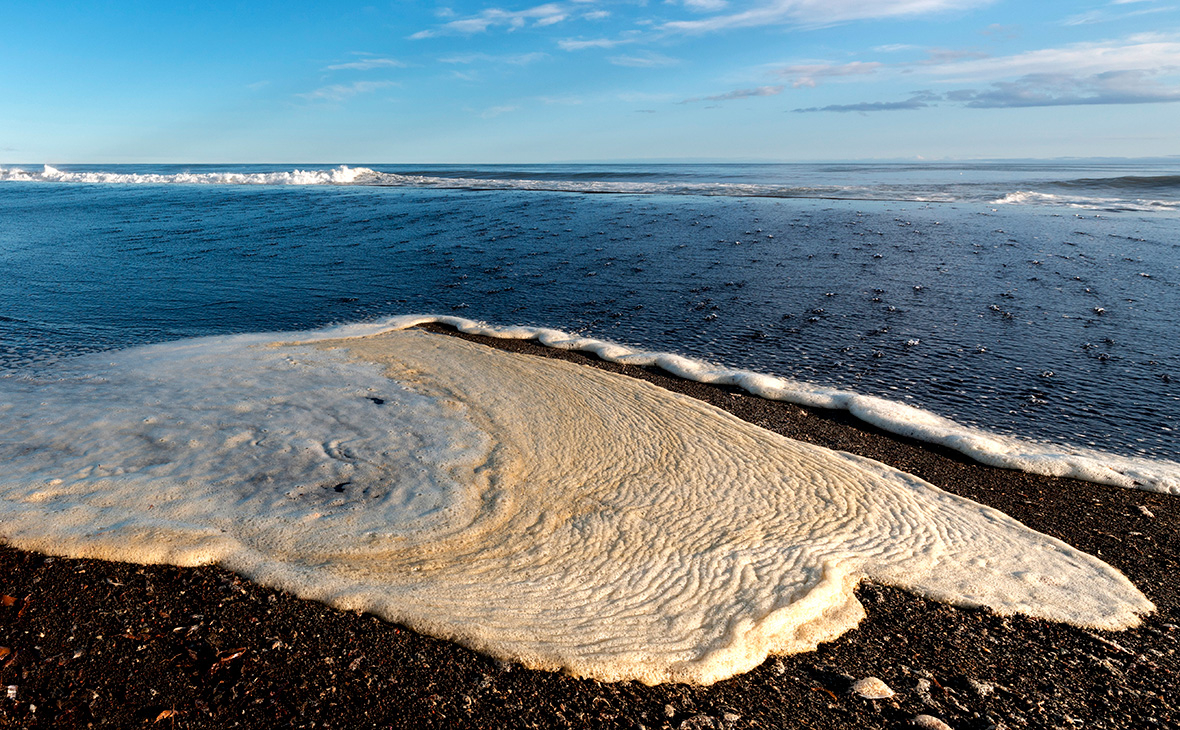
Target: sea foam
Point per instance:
(537, 510)
(1047, 459)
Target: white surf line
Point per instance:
(1005, 452)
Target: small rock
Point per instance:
(981, 689)
(929, 722)
(922, 690)
(872, 688)
(669, 711)
(1145, 512)
(702, 722)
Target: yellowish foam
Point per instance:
(533, 509)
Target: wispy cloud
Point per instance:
(944, 56)
(999, 30)
(1112, 87)
(341, 92)
(518, 59)
(1134, 53)
(645, 60)
(540, 15)
(1035, 90)
(496, 111)
(569, 44)
(808, 75)
(367, 64)
(1105, 15)
(710, 6)
(817, 13)
(740, 94)
(920, 100)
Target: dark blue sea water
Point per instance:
(1031, 299)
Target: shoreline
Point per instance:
(208, 649)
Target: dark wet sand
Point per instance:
(89, 643)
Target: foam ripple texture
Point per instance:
(1006, 452)
(537, 510)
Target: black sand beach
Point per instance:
(89, 643)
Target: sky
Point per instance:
(501, 81)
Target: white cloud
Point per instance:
(519, 59)
(644, 60)
(578, 45)
(806, 75)
(705, 5)
(540, 15)
(740, 94)
(1064, 89)
(1138, 69)
(818, 12)
(1135, 53)
(367, 64)
(341, 92)
(1104, 16)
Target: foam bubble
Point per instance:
(534, 509)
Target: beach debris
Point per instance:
(1143, 510)
(7, 601)
(12, 691)
(164, 715)
(929, 722)
(872, 688)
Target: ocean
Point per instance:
(1034, 300)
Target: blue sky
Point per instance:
(583, 80)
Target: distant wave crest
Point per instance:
(571, 183)
(1109, 194)
(342, 175)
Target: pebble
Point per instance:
(981, 689)
(1146, 512)
(929, 722)
(702, 722)
(872, 688)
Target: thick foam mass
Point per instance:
(1047, 459)
(534, 509)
